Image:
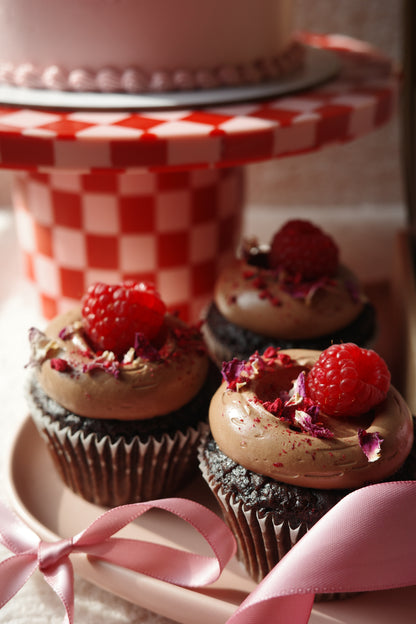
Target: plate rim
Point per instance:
(121, 582)
(139, 589)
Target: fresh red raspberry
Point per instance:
(347, 380)
(113, 314)
(300, 247)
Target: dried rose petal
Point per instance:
(105, 362)
(353, 290)
(370, 444)
(307, 423)
(42, 347)
(231, 371)
(297, 409)
(304, 290)
(255, 365)
(299, 386)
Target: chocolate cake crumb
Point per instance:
(290, 503)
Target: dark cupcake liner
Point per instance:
(261, 541)
(112, 473)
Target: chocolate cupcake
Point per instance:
(293, 432)
(119, 390)
(294, 293)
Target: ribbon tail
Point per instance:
(163, 562)
(61, 578)
(14, 572)
(365, 543)
(256, 608)
(168, 564)
(14, 533)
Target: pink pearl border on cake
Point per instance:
(135, 80)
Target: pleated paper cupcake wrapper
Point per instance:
(116, 473)
(261, 542)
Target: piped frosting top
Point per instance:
(149, 381)
(262, 300)
(321, 452)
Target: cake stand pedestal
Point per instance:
(159, 194)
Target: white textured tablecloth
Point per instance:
(36, 603)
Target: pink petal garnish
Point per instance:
(370, 444)
(353, 290)
(307, 423)
(255, 364)
(232, 370)
(297, 409)
(104, 363)
(42, 347)
(66, 333)
(299, 386)
(299, 289)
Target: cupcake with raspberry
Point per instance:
(294, 293)
(119, 390)
(293, 432)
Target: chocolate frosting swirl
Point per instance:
(253, 437)
(259, 300)
(96, 386)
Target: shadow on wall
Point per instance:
(366, 171)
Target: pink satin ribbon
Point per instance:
(155, 560)
(366, 542)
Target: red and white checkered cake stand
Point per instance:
(158, 194)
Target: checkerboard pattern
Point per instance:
(112, 195)
(360, 99)
(175, 229)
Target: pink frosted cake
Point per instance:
(138, 46)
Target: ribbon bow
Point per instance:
(366, 542)
(161, 562)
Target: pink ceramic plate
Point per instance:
(53, 511)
